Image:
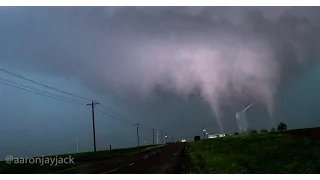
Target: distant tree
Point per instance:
(273, 130)
(227, 134)
(236, 133)
(197, 138)
(264, 130)
(253, 131)
(282, 127)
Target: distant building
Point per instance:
(212, 136)
(216, 136)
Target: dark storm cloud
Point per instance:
(222, 54)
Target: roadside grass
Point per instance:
(261, 153)
(82, 161)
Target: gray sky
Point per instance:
(173, 68)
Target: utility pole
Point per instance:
(153, 136)
(77, 144)
(93, 126)
(161, 137)
(157, 133)
(138, 132)
(157, 136)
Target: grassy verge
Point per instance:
(256, 153)
(82, 161)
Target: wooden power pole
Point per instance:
(138, 133)
(93, 126)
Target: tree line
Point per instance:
(281, 127)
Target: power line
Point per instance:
(41, 84)
(114, 117)
(126, 121)
(38, 83)
(57, 96)
(121, 120)
(123, 117)
(136, 124)
(113, 111)
(61, 98)
(11, 73)
(39, 93)
(117, 114)
(74, 100)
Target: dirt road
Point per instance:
(166, 159)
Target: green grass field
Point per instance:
(82, 161)
(256, 153)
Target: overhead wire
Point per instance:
(125, 120)
(58, 97)
(114, 117)
(41, 84)
(41, 91)
(7, 84)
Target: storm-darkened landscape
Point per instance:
(159, 89)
